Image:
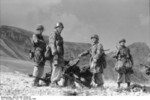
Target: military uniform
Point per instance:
(57, 49)
(97, 62)
(124, 58)
(39, 59)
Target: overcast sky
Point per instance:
(111, 19)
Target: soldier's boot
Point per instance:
(128, 84)
(35, 82)
(63, 82)
(73, 86)
(100, 85)
(118, 85)
(54, 84)
(144, 89)
(93, 84)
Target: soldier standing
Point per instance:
(124, 63)
(39, 50)
(56, 45)
(97, 60)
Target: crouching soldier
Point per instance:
(39, 47)
(124, 63)
(57, 49)
(97, 61)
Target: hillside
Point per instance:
(18, 84)
(15, 44)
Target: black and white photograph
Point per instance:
(97, 48)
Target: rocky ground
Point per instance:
(18, 84)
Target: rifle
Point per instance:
(137, 86)
(45, 79)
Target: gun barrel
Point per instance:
(144, 66)
(30, 75)
(81, 83)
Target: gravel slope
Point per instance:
(18, 84)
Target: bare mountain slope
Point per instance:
(15, 43)
(18, 84)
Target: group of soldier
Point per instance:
(54, 52)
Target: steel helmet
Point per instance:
(95, 36)
(59, 24)
(40, 27)
(122, 40)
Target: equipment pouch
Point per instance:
(48, 54)
(38, 56)
(119, 67)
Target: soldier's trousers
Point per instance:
(99, 79)
(122, 77)
(56, 72)
(51, 67)
(37, 73)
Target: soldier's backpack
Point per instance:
(104, 63)
(119, 67)
(40, 49)
(128, 67)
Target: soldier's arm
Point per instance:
(132, 60)
(99, 53)
(39, 40)
(116, 55)
(63, 46)
(42, 40)
(52, 43)
(130, 57)
(34, 39)
(84, 53)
